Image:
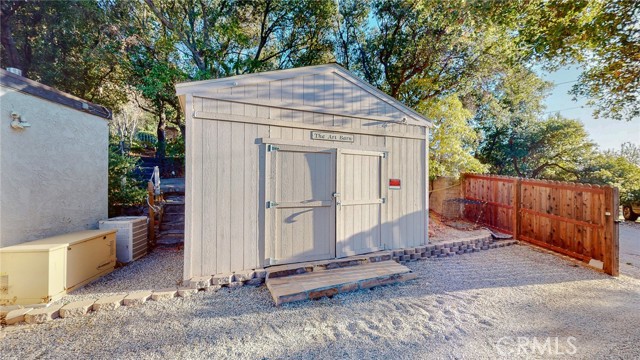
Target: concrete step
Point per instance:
(319, 283)
(173, 218)
(175, 225)
(169, 241)
(174, 208)
(172, 233)
(174, 199)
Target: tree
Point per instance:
(554, 148)
(608, 168)
(225, 37)
(602, 36)
(453, 141)
(71, 46)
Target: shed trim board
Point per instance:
(262, 191)
(214, 85)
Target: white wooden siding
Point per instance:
(226, 165)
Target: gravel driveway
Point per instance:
(459, 307)
(630, 249)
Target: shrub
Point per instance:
(125, 189)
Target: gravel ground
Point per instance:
(160, 269)
(459, 307)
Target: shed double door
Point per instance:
(360, 201)
(321, 203)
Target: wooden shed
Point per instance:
(298, 165)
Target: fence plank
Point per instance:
(567, 218)
(611, 255)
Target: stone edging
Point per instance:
(15, 314)
(451, 248)
(37, 314)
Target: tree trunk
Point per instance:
(161, 150)
(6, 38)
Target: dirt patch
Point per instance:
(442, 229)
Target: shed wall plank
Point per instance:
(209, 196)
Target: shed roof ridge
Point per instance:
(308, 70)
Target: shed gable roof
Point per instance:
(327, 86)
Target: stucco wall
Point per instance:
(53, 175)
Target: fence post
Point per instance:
(517, 186)
(152, 214)
(611, 231)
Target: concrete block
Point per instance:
(235, 284)
(200, 282)
(244, 275)
(164, 294)
(76, 309)
(108, 303)
(255, 282)
(42, 315)
(221, 279)
(4, 310)
(137, 298)
(261, 273)
(409, 251)
(186, 292)
(16, 316)
(212, 288)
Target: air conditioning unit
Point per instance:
(131, 238)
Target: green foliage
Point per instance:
(175, 148)
(124, 188)
(453, 140)
(543, 149)
(70, 45)
(612, 168)
(603, 37)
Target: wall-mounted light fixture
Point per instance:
(17, 122)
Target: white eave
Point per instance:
(204, 86)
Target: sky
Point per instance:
(608, 134)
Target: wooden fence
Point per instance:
(577, 220)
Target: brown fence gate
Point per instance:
(576, 220)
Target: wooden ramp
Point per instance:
(307, 281)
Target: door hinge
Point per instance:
(271, 204)
(271, 148)
(383, 201)
(385, 154)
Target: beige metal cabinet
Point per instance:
(43, 270)
(32, 273)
